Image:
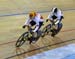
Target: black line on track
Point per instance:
(15, 14)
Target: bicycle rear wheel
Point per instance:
(21, 40)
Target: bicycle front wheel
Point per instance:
(46, 30)
(21, 40)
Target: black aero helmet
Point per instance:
(55, 10)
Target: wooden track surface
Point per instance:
(11, 27)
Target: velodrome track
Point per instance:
(13, 17)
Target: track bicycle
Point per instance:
(27, 36)
(49, 29)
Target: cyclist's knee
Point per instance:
(59, 27)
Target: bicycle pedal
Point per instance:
(53, 35)
(30, 41)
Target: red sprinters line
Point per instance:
(68, 30)
(15, 41)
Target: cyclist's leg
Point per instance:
(38, 31)
(40, 24)
(53, 32)
(33, 37)
(56, 31)
(59, 27)
(36, 34)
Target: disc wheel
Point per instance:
(22, 39)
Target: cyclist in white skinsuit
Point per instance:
(55, 18)
(34, 19)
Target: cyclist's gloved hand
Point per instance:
(62, 17)
(23, 26)
(46, 20)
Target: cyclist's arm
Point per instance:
(26, 23)
(49, 17)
